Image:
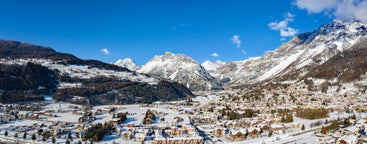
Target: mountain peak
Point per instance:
(168, 53)
(127, 63)
(219, 62)
(168, 56)
(212, 66)
(297, 57)
(180, 68)
(338, 26)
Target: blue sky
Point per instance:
(139, 29)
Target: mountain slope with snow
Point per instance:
(211, 66)
(182, 69)
(296, 58)
(34, 70)
(127, 63)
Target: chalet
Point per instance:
(209, 118)
(349, 139)
(168, 132)
(79, 127)
(189, 130)
(351, 130)
(265, 127)
(225, 117)
(276, 127)
(360, 123)
(11, 117)
(130, 125)
(4, 120)
(253, 131)
(149, 121)
(220, 124)
(115, 121)
(176, 131)
(22, 114)
(126, 135)
(362, 139)
(55, 130)
(178, 140)
(237, 134)
(326, 139)
(295, 125)
(140, 137)
(31, 115)
(231, 125)
(219, 132)
(81, 119)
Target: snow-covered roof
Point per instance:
(235, 131)
(349, 139)
(352, 129)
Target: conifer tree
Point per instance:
(34, 137)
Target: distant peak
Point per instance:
(127, 63)
(168, 53)
(128, 59)
(207, 61)
(341, 24)
(125, 59)
(212, 67)
(180, 68)
(218, 62)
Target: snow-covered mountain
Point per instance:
(211, 67)
(296, 58)
(182, 69)
(34, 71)
(127, 63)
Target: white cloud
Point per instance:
(352, 10)
(236, 40)
(215, 55)
(282, 26)
(243, 51)
(341, 9)
(105, 51)
(288, 32)
(315, 6)
(290, 15)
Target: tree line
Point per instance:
(308, 113)
(25, 82)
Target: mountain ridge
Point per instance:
(180, 68)
(297, 56)
(78, 81)
(307, 55)
(292, 60)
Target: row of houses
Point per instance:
(353, 134)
